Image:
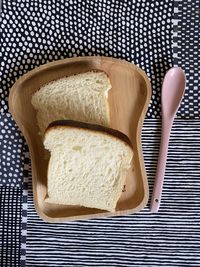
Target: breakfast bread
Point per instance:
(88, 164)
(81, 97)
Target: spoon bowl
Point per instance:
(172, 91)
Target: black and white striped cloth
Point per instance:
(153, 35)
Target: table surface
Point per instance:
(155, 36)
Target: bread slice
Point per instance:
(81, 97)
(88, 164)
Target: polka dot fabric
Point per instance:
(11, 152)
(187, 55)
(36, 32)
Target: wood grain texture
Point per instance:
(128, 101)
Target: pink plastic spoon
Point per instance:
(173, 89)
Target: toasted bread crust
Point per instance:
(91, 127)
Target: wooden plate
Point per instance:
(128, 100)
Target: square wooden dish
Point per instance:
(128, 100)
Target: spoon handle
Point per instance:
(159, 179)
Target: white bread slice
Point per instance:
(81, 97)
(88, 164)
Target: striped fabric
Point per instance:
(169, 238)
(10, 226)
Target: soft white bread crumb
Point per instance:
(87, 167)
(81, 97)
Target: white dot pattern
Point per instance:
(37, 32)
(11, 152)
(187, 55)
